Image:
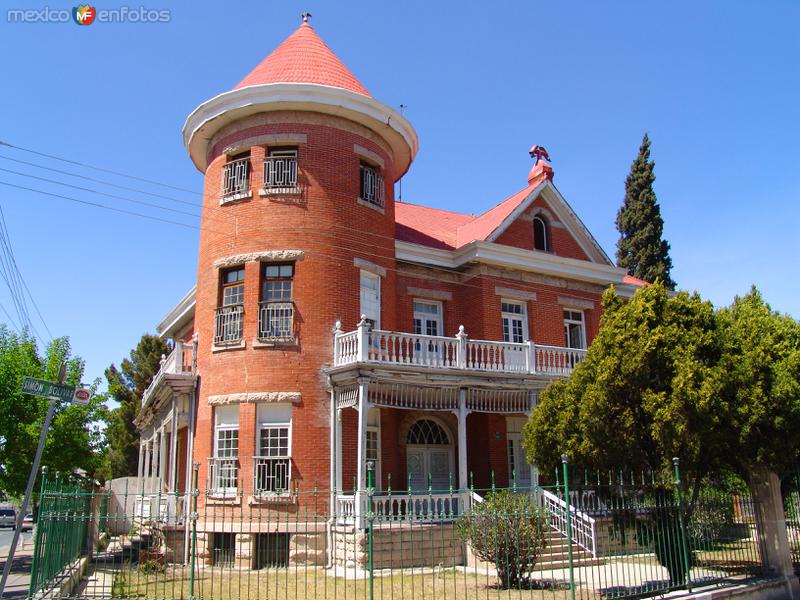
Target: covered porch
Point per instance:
(424, 450)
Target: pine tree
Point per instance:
(641, 249)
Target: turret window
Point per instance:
(236, 177)
(280, 170)
(541, 234)
(276, 309)
(230, 314)
(372, 185)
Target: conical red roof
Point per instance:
(303, 58)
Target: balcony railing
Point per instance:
(271, 476)
(458, 352)
(372, 186)
(180, 361)
(236, 177)
(275, 321)
(228, 322)
(223, 476)
(280, 173)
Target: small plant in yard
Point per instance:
(506, 529)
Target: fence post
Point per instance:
(564, 461)
(682, 525)
(193, 542)
(370, 520)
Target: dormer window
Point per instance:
(541, 234)
(280, 170)
(371, 185)
(236, 176)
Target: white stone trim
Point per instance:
(232, 198)
(581, 303)
(254, 398)
(374, 207)
(267, 139)
(261, 255)
(370, 267)
(429, 294)
(515, 294)
(369, 155)
(179, 315)
(214, 114)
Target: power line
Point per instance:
(80, 164)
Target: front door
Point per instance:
(430, 465)
(427, 321)
(519, 471)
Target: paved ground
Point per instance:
(17, 586)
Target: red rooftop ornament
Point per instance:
(541, 169)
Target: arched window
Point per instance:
(427, 433)
(541, 234)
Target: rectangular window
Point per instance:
(574, 329)
(371, 298)
(236, 175)
(280, 169)
(224, 549)
(515, 321)
(371, 189)
(272, 466)
(373, 448)
(276, 309)
(224, 466)
(230, 314)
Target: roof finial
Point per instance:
(538, 152)
(306, 16)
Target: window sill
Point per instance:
(220, 498)
(272, 498)
(368, 204)
(231, 198)
(217, 347)
(273, 342)
(281, 191)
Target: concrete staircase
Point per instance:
(556, 554)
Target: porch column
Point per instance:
(534, 468)
(463, 477)
(148, 458)
(361, 465)
(162, 458)
(333, 450)
(173, 451)
(140, 464)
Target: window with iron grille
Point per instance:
(280, 169)
(236, 175)
(276, 309)
(371, 185)
(230, 314)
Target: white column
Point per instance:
(333, 447)
(361, 465)
(140, 464)
(463, 482)
(148, 458)
(173, 451)
(534, 468)
(162, 458)
(339, 458)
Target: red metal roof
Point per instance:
(303, 58)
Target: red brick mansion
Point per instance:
(333, 327)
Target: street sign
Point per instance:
(40, 387)
(81, 396)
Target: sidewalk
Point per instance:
(19, 579)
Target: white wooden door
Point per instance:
(432, 464)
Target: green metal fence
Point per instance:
(790, 491)
(610, 535)
(64, 513)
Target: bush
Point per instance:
(507, 530)
(708, 521)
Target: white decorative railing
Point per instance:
(458, 352)
(582, 525)
(223, 476)
(280, 172)
(345, 508)
(228, 322)
(176, 363)
(271, 476)
(276, 321)
(417, 507)
(236, 177)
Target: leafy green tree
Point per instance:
(641, 248)
(127, 385)
(647, 391)
(75, 439)
(761, 366)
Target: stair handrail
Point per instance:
(583, 526)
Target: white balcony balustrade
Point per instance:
(459, 352)
(236, 177)
(228, 321)
(179, 362)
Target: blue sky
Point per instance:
(716, 85)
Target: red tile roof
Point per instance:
(631, 280)
(303, 58)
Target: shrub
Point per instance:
(507, 530)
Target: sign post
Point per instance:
(54, 391)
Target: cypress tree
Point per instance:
(640, 248)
